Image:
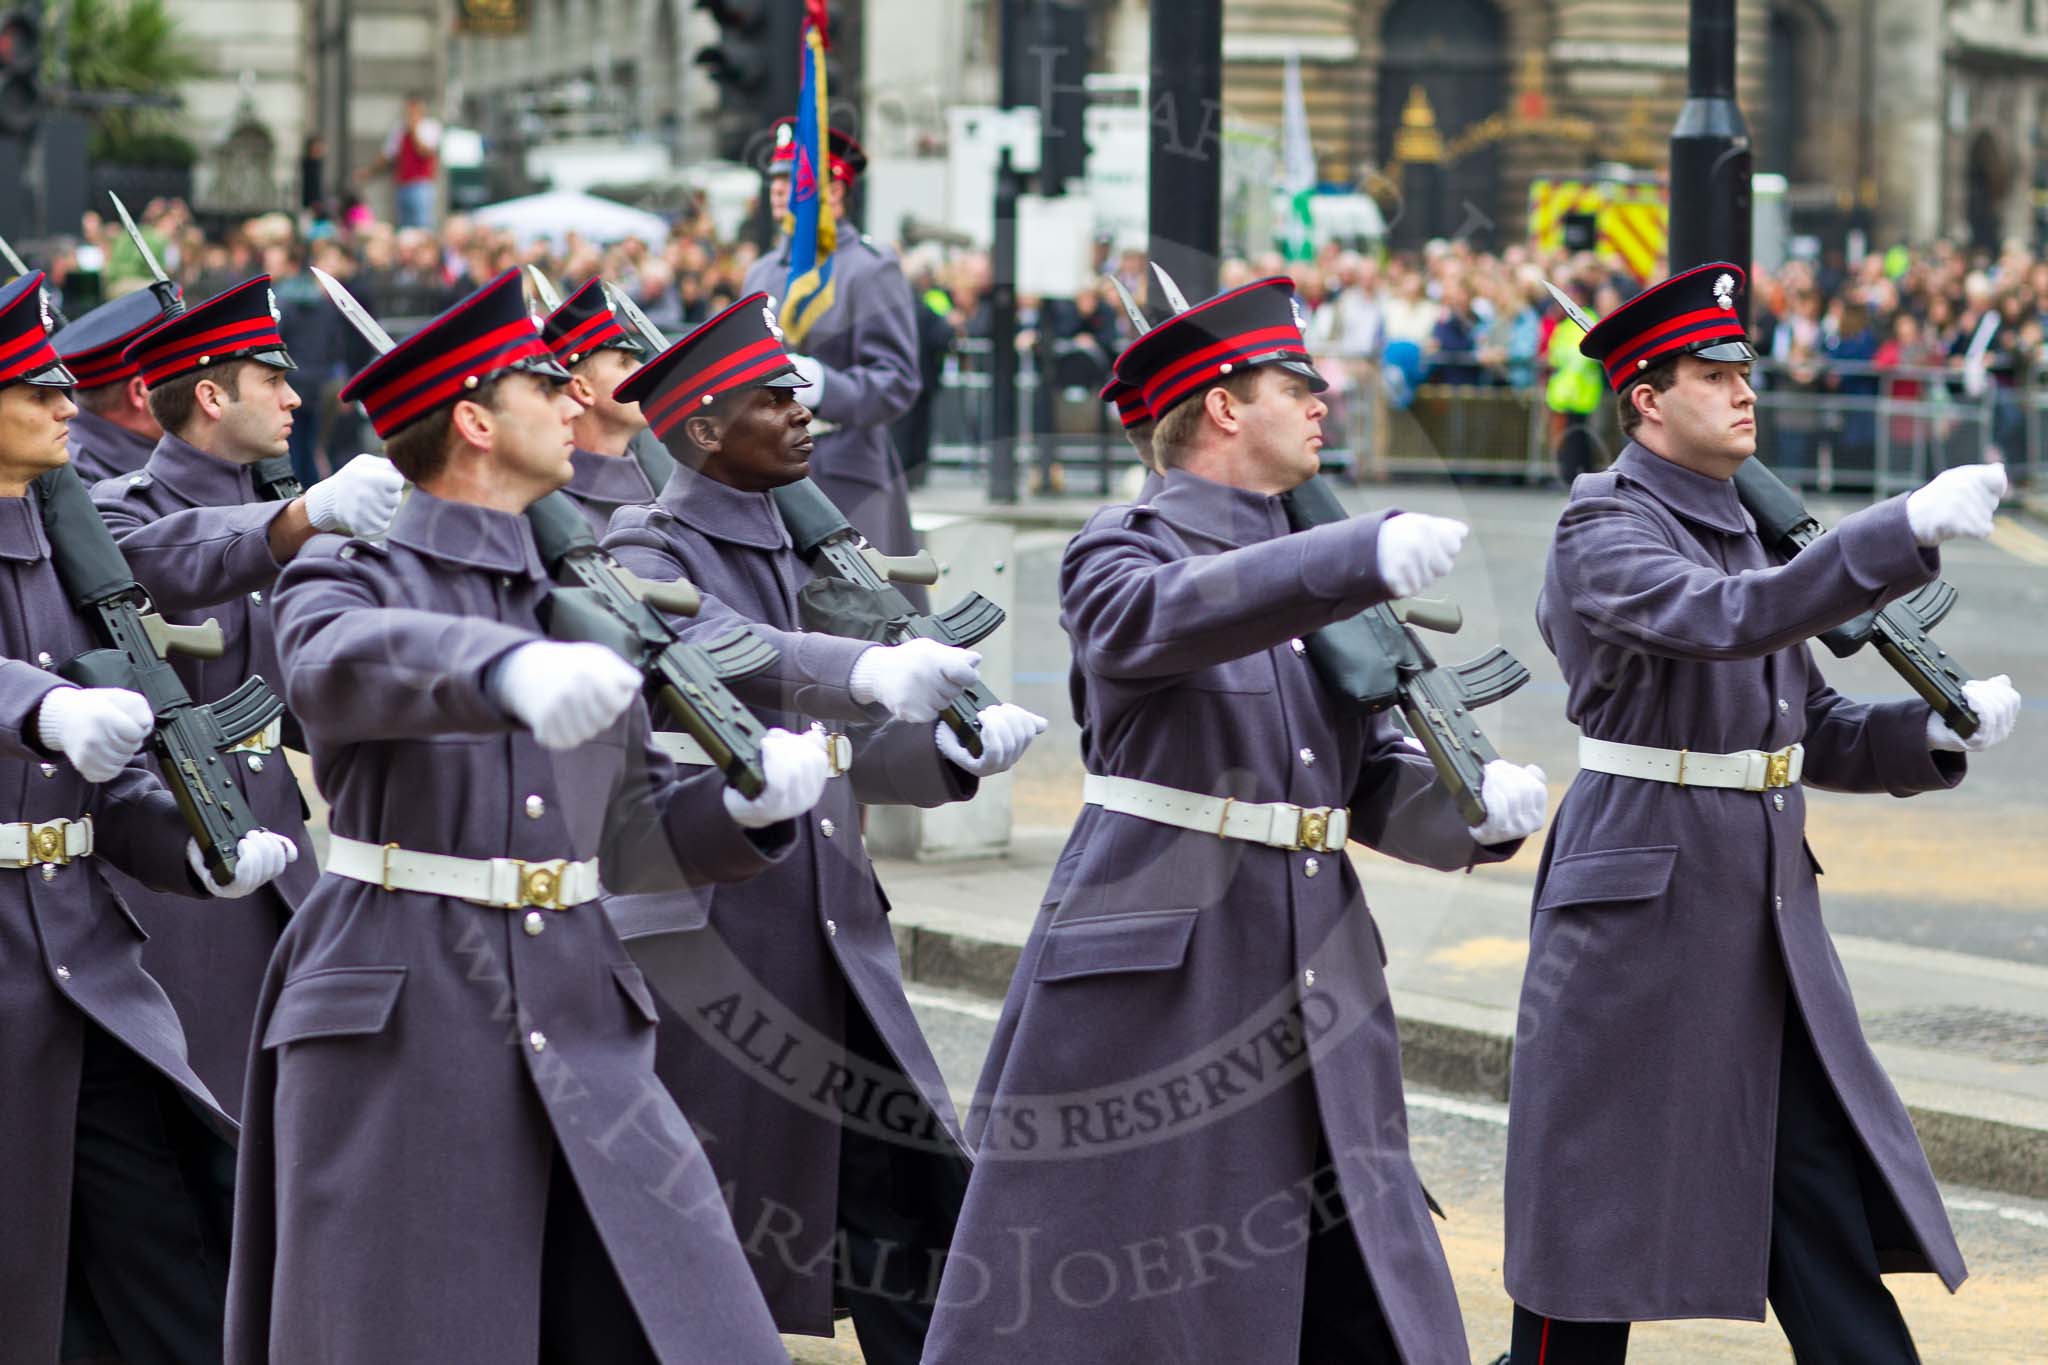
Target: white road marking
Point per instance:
(930, 999)
(1496, 1114)
(2033, 1218)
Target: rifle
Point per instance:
(189, 738)
(609, 605)
(1901, 630)
(864, 602)
(274, 477)
(1376, 662)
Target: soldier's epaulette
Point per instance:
(344, 547)
(878, 248)
(1596, 485)
(141, 478)
(1139, 511)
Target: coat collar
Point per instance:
(1218, 511)
(116, 446)
(723, 512)
(199, 478)
(465, 534)
(611, 479)
(1696, 497)
(21, 529)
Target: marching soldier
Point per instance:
(1194, 1144)
(204, 542)
(865, 1155)
(859, 365)
(599, 353)
(451, 1039)
(114, 431)
(113, 1153)
(1697, 1125)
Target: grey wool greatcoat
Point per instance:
(1670, 922)
(68, 951)
(1198, 1017)
(420, 1058)
(198, 538)
(867, 342)
(603, 484)
(792, 945)
(101, 450)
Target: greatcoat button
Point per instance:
(1308, 978)
(49, 872)
(1311, 867)
(255, 763)
(43, 658)
(1784, 707)
(48, 769)
(533, 924)
(1777, 902)
(1308, 758)
(255, 597)
(1297, 646)
(537, 1040)
(63, 973)
(535, 807)
(1778, 800)
(832, 928)
(827, 828)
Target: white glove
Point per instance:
(98, 728)
(1415, 550)
(359, 500)
(1956, 503)
(797, 771)
(1516, 798)
(1007, 730)
(914, 680)
(813, 375)
(566, 694)
(259, 858)
(1997, 704)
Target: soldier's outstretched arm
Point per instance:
(1634, 589)
(356, 669)
(1135, 613)
(196, 558)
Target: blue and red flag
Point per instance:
(808, 295)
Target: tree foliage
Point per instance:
(129, 47)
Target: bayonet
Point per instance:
(622, 304)
(1174, 298)
(160, 284)
(1571, 309)
(357, 315)
(58, 322)
(1131, 309)
(544, 290)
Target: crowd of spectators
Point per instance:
(1898, 323)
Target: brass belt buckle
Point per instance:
(46, 843)
(1315, 829)
(1778, 770)
(540, 884)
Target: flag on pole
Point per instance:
(1298, 167)
(808, 295)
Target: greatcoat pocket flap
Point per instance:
(1608, 875)
(334, 1002)
(1139, 941)
(634, 984)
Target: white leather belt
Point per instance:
(1752, 770)
(507, 883)
(1274, 823)
(685, 749)
(264, 741)
(49, 842)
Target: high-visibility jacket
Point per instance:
(1576, 383)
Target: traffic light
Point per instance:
(21, 58)
(754, 64)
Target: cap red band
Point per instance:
(736, 370)
(26, 354)
(599, 329)
(410, 395)
(1176, 381)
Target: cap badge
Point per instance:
(1300, 318)
(276, 313)
(43, 303)
(1724, 291)
(768, 316)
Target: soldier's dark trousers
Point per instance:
(152, 1197)
(1341, 1321)
(898, 1205)
(1824, 1283)
(585, 1315)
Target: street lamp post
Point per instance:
(1711, 159)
